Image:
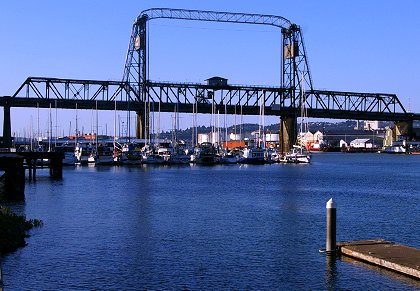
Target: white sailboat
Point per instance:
(78, 150)
(102, 154)
(257, 154)
(180, 155)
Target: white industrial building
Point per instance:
(362, 143)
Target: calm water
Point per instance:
(222, 227)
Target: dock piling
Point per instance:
(331, 246)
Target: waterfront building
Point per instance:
(371, 125)
(362, 143)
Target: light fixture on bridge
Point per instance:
(137, 42)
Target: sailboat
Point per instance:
(77, 147)
(180, 156)
(102, 154)
(206, 154)
(257, 154)
(298, 153)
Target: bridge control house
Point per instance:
(216, 82)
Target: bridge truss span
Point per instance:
(72, 89)
(42, 92)
(377, 103)
(71, 93)
(222, 95)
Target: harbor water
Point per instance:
(217, 227)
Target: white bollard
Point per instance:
(331, 227)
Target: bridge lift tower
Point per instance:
(295, 73)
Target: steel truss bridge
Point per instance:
(137, 93)
(110, 95)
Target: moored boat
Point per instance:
(229, 158)
(297, 155)
(254, 156)
(165, 150)
(101, 155)
(395, 149)
(206, 154)
(150, 156)
(180, 155)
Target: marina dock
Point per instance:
(386, 254)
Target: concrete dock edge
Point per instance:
(386, 254)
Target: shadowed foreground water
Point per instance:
(221, 227)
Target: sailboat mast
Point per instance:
(240, 128)
(148, 123)
(174, 126)
(37, 132)
(177, 120)
(158, 124)
(96, 134)
(196, 122)
(152, 130)
(31, 134)
(128, 121)
(192, 125)
(76, 126)
(49, 130)
(218, 127)
(234, 122)
(211, 119)
(263, 120)
(115, 121)
(226, 130)
(56, 125)
(259, 125)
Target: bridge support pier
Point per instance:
(142, 126)
(7, 125)
(287, 133)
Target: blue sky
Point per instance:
(362, 46)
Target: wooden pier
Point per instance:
(386, 254)
(12, 183)
(55, 163)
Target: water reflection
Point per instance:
(331, 272)
(388, 275)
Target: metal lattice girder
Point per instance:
(70, 89)
(184, 14)
(190, 93)
(320, 104)
(351, 101)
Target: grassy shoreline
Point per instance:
(14, 229)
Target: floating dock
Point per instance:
(386, 254)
